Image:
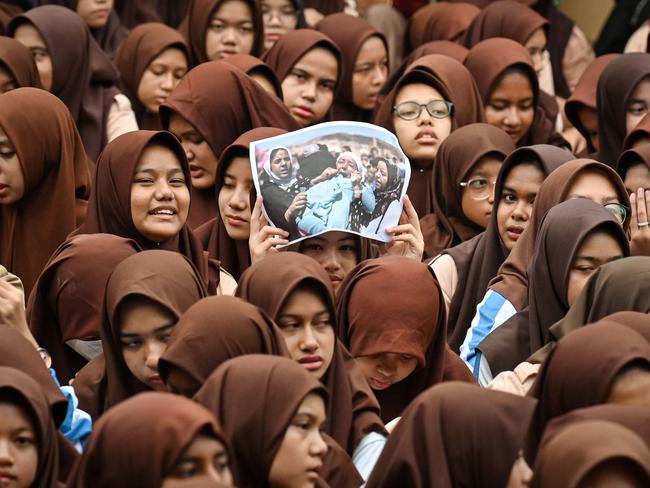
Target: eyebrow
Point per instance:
(608, 199)
(159, 329)
(594, 259)
(295, 316)
(152, 171)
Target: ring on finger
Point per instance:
(643, 224)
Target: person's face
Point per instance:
(12, 180)
(637, 176)
(306, 325)
(510, 106)
(205, 460)
(94, 12)
(536, 44)
(29, 37)
(631, 388)
(299, 459)
(346, 166)
(160, 197)
(18, 447)
(589, 120)
(145, 327)
(594, 186)
(7, 81)
(385, 369)
(597, 249)
(370, 72)
(265, 83)
(478, 197)
(382, 175)
(638, 104)
(279, 17)
(520, 475)
(308, 89)
(281, 164)
(160, 78)
(234, 199)
(230, 31)
(335, 251)
(420, 138)
(516, 205)
(202, 160)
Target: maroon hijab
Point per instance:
(255, 66)
(439, 22)
(19, 63)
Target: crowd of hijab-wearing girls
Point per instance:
(155, 331)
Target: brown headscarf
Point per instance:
(214, 330)
(579, 372)
(164, 277)
(642, 130)
(368, 323)
(478, 259)
(438, 22)
(239, 105)
(255, 66)
(109, 209)
(504, 18)
(138, 442)
(455, 84)
(446, 438)
(83, 77)
(458, 154)
(489, 60)
(255, 429)
(7, 12)
(67, 299)
(34, 402)
(57, 181)
(349, 34)
(144, 44)
(353, 410)
(631, 157)
(135, 12)
(562, 232)
(584, 95)
(615, 86)
(19, 62)
(199, 15)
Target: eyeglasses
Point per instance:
(619, 210)
(438, 109)
(479, 188)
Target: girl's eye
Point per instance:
(7, 154)
(144, 181)
(289, 325)
(406, 357)
(312, 247)
(348, 248)
(186, 470)
(24, 441)
(637, 109)
(509, 198)
(217, 26)
(131, 344)
(584, 269)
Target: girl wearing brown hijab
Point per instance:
(145, 176)
(152, 61)
(281, 17)
(505, 77)
(309, 67)
(623, 100)
(464, 173)
(365, 65)
(64, 310)
(17, 67)
(44, 180)
(154, 440)
(640, 135)
(216, 29)
(634, 168)
(145, 296)
(30, 450)
(446, 438)
(400, 355)
(194, 109)
(73, 67)
(259, 71)
(275, 440)
(438, 22)
(453, 101)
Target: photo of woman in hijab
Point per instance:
(388, 187)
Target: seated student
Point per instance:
(259, 71)
(17, 67)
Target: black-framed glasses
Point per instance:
(438, 109)
(619, 210)
(479, 188)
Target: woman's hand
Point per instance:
(12, 310)
(407, 240)
(328, 173)
(263, 238)
(297, 205)
(639, 227)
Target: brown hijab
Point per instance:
(135, 12)
(353, 410)
(369, 323)
(457, 156)
(144, 44)
(138, 442)
(255, 66)
(255, 429)
(642, 130)
(632, 157)
(19, 63)
(615, 86)
(349, 34)
(584, 95)
(164, 277)
(446, 437)
(562, 232)
(57, 181)
(195, 26)
(438, 22)
(18, 386)
(212, 331)
(579, 372)
(67, 299)
(83, 76)
(239, 105)
(456, 85)
(478, 259)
